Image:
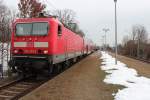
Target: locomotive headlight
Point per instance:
(15, 51)
(45, 51)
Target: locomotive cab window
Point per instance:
(23, 29)
(40, 28)
(59, 30)
(28, 29)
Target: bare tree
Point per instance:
(24, 8)
(141, 37)
(134, 33)
(5, 29)
(141, 33)
(136, 44)
(66, 16)
(126, 45)
(125, 40)
(4, 22)
(30, 8)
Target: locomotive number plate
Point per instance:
(30, 44)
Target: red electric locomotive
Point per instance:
(43, 44)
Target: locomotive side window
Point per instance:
(59, 30)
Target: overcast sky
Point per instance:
(94, 15)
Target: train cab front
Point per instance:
(29, 45)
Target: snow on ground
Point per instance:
(137, 87)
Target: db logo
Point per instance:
(30, 44)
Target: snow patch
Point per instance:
(137, 87)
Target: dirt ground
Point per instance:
(83, 81)
(141, 67)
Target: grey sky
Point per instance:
(94, 15)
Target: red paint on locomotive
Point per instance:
(34, 39)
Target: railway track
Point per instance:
(143, 60)
(18, 88)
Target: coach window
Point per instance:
(59, 30)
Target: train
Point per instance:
(45, 44)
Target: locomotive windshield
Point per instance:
(26, 29)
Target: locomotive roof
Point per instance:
(19, 20)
